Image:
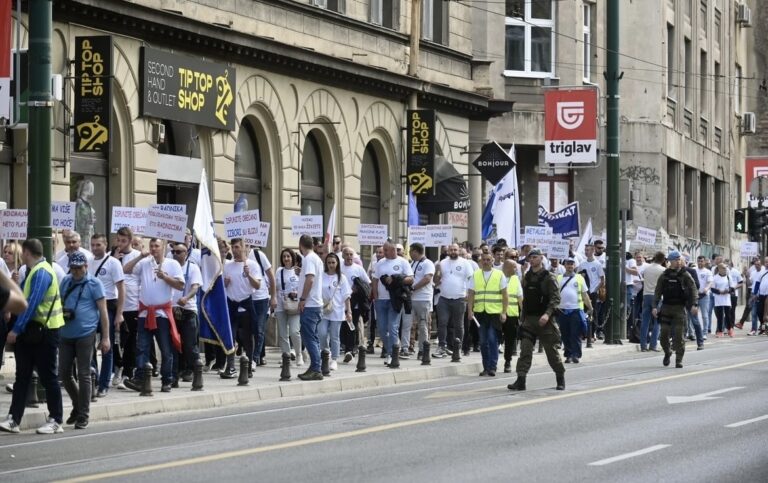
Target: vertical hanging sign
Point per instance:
(420, 157)
(93, 93)
(5, 60)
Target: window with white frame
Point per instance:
(529, 38)
(385, 13)
(587, 42)
(339, 6)
(434, 21)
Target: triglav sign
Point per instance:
(570, 126)
(186, 89)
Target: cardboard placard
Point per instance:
(259, 235)
(13, 224)
(240, 223)
(166, 222)
(368, 234)
(646, 236)
(439, 235)
(558, 248)
(131, 217)
(417, 234)
(311, 225)
(749, 249)
(63, 215)
(537, 235)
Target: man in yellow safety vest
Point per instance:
(509, 329)
(487, 302)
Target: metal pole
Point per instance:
(614, 253)
(623, 294)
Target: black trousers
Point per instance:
(188, 331)
(509, 330)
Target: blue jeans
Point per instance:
(570, 333)
(329, 329)
(705, 309)
(389, 323)
(309, 320)
(105, 376)
(755, 317)
(711, 310)
(649, 323)
(489, 340)
(259, 326)
(693, 321)
(163, 336)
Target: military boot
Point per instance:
(394, 363)
(560, 381)
(518, 385)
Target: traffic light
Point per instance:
(740, 220)
(757, 219)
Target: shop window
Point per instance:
(248, 169)
(312, 178)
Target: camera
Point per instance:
(69, 314)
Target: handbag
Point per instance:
(328, 305)
(290, 305)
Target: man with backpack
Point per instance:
(677, 292)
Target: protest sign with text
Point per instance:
(645, 236)
(166, 223)
(257, 235)
(127, 216)
(439, 235)
(240, 223)
(536, 235)
(368, 234)
(749, 249)
(417, 234)
(13, 224)
(63, 215)
(311, 225)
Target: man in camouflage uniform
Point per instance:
(677, 292)
(541, 296)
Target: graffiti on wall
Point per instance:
(640, 174)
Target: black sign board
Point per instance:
(93, 93)
(420, 156)
(493, 163)
(186, 89)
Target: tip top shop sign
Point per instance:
(186, 89)
(420, 158)
(93, 93)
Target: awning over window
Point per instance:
(451, 193)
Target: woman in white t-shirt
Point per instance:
(336, 308)
(721, 288)
(287, 285)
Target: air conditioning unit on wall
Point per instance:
(748, 123)
(744, 15)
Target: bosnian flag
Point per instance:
(214, 316)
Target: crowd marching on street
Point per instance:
(137, 305)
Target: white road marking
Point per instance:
(707, 396)
(748, 421)
(633, 454)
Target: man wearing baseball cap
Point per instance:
(677, 292)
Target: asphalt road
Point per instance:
(615, 422)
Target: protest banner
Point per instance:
(645, 236)
(749, 250)
(311, 225)
(536, 235)
(166, 223)
(63, 215)
(13, 224)
(368, 234)
(558, 248)
(564, 222)
(439, 235)
(417, 234)
(127, 216)
(237, 224)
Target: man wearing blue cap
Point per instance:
(677, 292)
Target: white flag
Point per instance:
(329, 232)
(506, 209)
(585, 238)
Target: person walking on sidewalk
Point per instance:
(649, 328)
(389, 271)
(85, 309)
(574, 299)
(721, 287)
(676, 291)
(515, 301)
(353, 336)
(287, 309)
(452, 276)
(124, 254)
(487, 304)
(541, 298)
(185, 314)
(36, 335)
(310, 304)
(336, 309)
(422, 294)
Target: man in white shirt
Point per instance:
(574, 305)
(71, 244)
(596, 278)
(705, 286)
(125, 253)
(310, 304)
(158, 277)
(421, 297)
(241, 279)
(352, 337)
(452, 275)
(737, 281)
(651, 276)
(388, 273)
(264, 299)
(109, 271)
(754, 274)
(372, 329)
(185, 314)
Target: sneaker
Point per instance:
(9, 425)
(293, 355)
(51, 427)
(484, 373)
(667, 357)
(700, 347)
(730, 332)
(116, 379)
(404, 354)
(228, 374)
(678, 365)
(575, 360)
(704, 337)
(81, 424)
(740, 325)
(567, 360)
(186, 376)
(347, 357)
(102, 393)
(752, 332)
(507, 367)
(491, 373)
(311, 375)
(440, 354)
(9, 388)
(72, 419)
(334, 365)
(718, 334)
(387, 360)
(132, 384)
(121, 384)
(299, 361)
(165, 388)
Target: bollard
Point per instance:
(93, 385)
(245, 365)
(285, 373)
(32, 400)
(394, 363)
(325, 367)
(197, 376)
(360, 359)
(456, 357)
(146, 386)
(426, 357)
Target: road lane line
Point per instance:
(392, 426)
(627, 456)
(748, 421)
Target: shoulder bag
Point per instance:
(290, 305)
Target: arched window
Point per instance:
(248, 166)
(370, 188)
(312, 178)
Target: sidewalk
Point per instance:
(265, 384)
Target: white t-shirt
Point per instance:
(763, 289)
(705, 278)
(721, 283)
(487, 275)
(639, 278)
(62, 258)
(130, 283)
(4, 268)
(286, 282)
(312, 265)
(389, 266)
(192, 276)
(263, 291)
(155, 291)
(629, 278)
(454, 277)
(754, 276)
(736, 279)
(569, 294)
(110, 274)
(422, 268)
(340, 292)
(239, 286)
(594, 270)
(354, 271)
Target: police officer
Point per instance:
(677, 292)
(540, 300)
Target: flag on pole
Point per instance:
(487, 228)
(214, 316)
(506, 206)
(585, 238)
(331, 230)
(413, 210)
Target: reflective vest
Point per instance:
(51, 301)
(513, 287)
(488, 298)
(581, 287)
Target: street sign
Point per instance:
(570, 126)
(494, 162)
